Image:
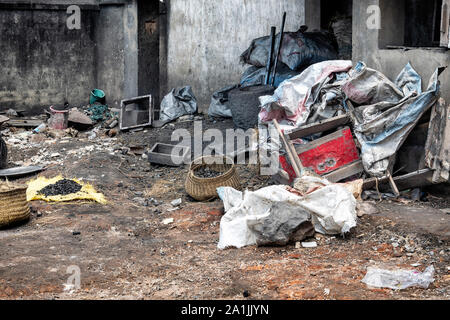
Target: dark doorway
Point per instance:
(336, 17)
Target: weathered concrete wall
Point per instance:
(366, 47)
(43, 62)
(110, 54)
(206, 38)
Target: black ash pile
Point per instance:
(61, 188)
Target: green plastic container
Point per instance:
(97, 95)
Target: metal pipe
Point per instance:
(280, 42)
(273, 31)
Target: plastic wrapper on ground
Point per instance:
(398, 279)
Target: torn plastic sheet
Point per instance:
(382, 128)
(251, 217)
(398, 279)
(179, 102)
(291, 103)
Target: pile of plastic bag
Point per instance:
(299, 50)
(385, 111)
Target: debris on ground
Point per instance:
(398, 279)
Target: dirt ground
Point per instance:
(125, 251)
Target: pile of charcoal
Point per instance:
(206, 172)
(61, 188)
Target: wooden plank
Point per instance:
(345, 172)
(289, 152)
(313, 128)
(30, 123)
(416, 179)
(318, 142)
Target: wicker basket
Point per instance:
(13, 204)
(203, 189)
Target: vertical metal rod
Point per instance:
(280, 42)
(273, 31)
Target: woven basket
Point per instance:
(203, 189)
(13, 204)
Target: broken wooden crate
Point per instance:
(334, 156)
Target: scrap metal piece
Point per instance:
(280, 43)
(136, 112)
(20, 171)
(269, 61)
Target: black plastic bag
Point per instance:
(299, 50)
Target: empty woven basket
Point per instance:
(13, 204)
(203, 189)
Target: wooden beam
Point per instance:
(415, 179)
(313, 128)
(291, 155)
(318, 142)
(345, 172)
(30, 123)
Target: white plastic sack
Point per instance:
(289, 102)
(332, 210)
(333, 207)
(398, 279)
(247, 209)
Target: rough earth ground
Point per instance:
(124, 251)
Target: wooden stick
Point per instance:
(291, 156)
(393, 185)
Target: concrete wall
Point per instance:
(45, 63)
(42, 61)
(206, 38)
(366, 47)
